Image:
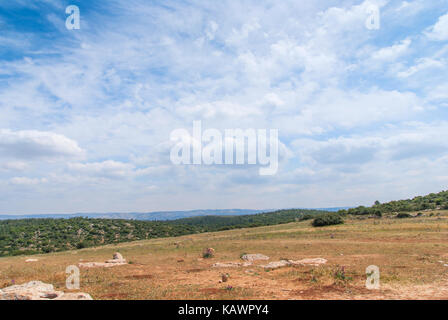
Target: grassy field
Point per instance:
(410, 253)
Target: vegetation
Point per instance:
(433, 201)
(32, 236)
(328, 219)
(221, 223)
(402, 215)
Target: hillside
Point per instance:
(31, 236)
(433, 201)
(412, 255)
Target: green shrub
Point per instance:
(327, 220)
(403, 215)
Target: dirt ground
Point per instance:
(412, 255)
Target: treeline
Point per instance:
(434, 201)
(220, 223)
(32, 236)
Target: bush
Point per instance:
(327, 220)
(403, 215)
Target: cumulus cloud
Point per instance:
(27, 181)
(107, 169)
(439, 31)
(14, 166)
(393, 52)
(29, 145)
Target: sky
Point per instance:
(86, 114)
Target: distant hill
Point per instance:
(148, 216)
(154, 216)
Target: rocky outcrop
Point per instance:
(37, 290)
(117, 260)
(254, 257)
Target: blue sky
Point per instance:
(86, 115)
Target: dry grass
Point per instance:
(407, 251)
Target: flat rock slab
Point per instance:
(285, 263)
(100, 264)
(31, 260)
(231, 264)
(254, 257)
(276, 264)
(37, 290)
(310, 262)
(117, 260)
(75, 296)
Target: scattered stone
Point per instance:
(31, 260)
(254, 257)
(231, 264)
(180, 260)
(311, 262)
(117, 260)
(117, 256)
(208, 253)
(37, 290)
(225, 277)
(276, 264)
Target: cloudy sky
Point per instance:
(86, 115)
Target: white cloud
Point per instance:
(422, 64)
(31, 144)
(210, 32)
(106, 169)
(27, 181)
(393, 52)
(439, 31)
(14, 166)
